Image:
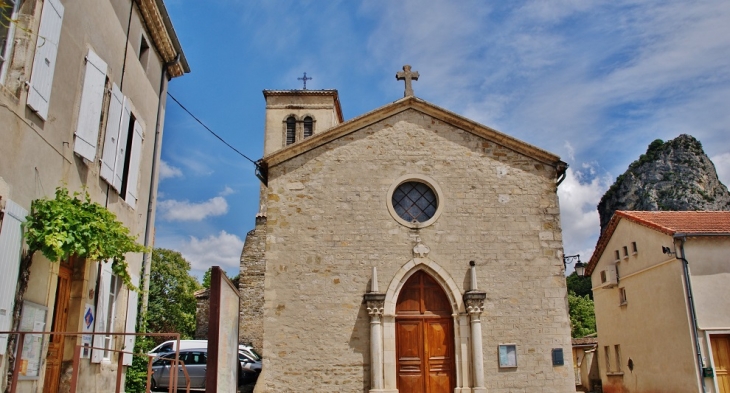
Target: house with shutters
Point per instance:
(82, 101)
(661, 290)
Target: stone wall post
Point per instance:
(474, 301)
(375, 303)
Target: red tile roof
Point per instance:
(668, 222)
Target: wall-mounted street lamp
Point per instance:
(580, 267)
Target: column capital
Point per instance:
(474, 301)
(375, 302)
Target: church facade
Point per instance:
(406, 250)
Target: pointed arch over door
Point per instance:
(424, 326)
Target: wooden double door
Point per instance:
(424, 337)
(721, 357)
(60, 320)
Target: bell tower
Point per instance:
(294, 115)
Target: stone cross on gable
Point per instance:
(407, 76)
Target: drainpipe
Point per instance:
(691, 305)
(152, 199)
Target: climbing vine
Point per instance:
(73, 225)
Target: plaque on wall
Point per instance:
(32, 319)
(507, 355)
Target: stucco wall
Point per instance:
(328, 225)
(37, 155)
(653, 327)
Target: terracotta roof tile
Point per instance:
(682, 222)
(668, 222)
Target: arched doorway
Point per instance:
(424, 337)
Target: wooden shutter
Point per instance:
(111, 137)
(44, 62)
(121, 146)
(92, 98)
(102, 311)
(131, 322)
(11, 241)
(134, 163)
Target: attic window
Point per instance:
(634, 248)
(618, 255)
(626, 252)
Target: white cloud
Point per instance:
(223, 249)
(173, 210)
(722, 165)
(227, 191)
(168, 171)
(579, 197)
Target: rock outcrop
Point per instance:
(674, 175)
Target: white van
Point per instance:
(169, 346)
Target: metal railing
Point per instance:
(120, 355)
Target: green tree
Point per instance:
(582, 316)
(206, 278)
(579, 285)
(171, 298)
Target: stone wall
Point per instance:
(251, 286)
(328, 224)
(202, 314)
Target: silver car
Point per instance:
(195, 363)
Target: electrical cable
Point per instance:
(211, 131)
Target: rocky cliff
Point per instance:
(672, 175)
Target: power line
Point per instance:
(211, 131)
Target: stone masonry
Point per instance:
(251, 286)
(328, 224)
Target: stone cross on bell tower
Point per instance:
(407, 76)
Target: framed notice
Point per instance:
(508, 355)
(32, 319)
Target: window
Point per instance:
(122, 152)
(8, 10)
(617, 350)
(622, 296)
(626, 252)
(90, 107)
(291, 130)
(144, 52)
(617, 254)
(308, 127)
(106, 304)
(608, 358)
(415, 202)
(44, 61)
(111, 311)
(634, 248)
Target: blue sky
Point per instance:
(592, 81)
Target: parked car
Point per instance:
(169, 346)
(250, 368)
(195, 363)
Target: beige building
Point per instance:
(82, 104)
(661, 287)
(363, 245)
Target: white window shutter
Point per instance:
(11, 241)
(134, 162)
(131, 322)
(92, 98)
(102, 311)
(44, 62)
(121, 146)
(111, 137)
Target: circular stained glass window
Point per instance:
(414, 202)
